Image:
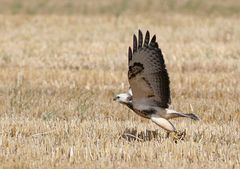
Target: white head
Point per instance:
(124, 98)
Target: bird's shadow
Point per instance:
(132, 134)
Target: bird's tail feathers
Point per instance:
(174, 114)
(192, 116)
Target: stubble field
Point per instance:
(59, 73)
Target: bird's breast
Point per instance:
(145, 112)
(142, 113)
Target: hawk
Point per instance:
(149, 92)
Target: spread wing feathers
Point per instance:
(147, 72)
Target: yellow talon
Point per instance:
(177, 135)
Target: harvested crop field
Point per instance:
(61, 65)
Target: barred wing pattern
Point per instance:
(147, 73)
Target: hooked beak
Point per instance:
(115, 98)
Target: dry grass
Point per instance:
(58, 75)
(119, 7)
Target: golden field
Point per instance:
(61, 65)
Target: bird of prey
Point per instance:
(149, 92)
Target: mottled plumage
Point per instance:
(147, 72)
(149, 93)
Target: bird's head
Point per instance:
(123, 98)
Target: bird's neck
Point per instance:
(129, 105)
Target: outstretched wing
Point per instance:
(147, 73)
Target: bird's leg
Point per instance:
(167, 125)
(162, 122)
